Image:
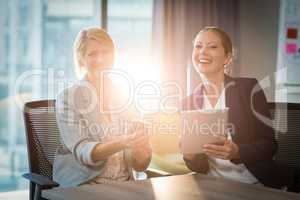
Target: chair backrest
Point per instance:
(286, 122)
(42, 135)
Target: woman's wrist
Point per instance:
(104, 150)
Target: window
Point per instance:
(37, 35)
(130, 23)
(36, 43)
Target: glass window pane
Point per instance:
(130, 24)
(36, 44)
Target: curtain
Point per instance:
(176, 23)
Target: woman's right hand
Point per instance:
(135, 139)
(137, 136)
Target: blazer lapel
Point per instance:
(232, 102)
(195, 102)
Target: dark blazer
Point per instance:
(255, 139)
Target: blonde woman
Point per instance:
(96, 146)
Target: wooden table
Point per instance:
(185, 187)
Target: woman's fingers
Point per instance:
(216, 155)
(212, 147)
(136, 126)
(138, 136)
(228, 150)
(142, 139)
(141, 146)
(134, 143)
(217, 151)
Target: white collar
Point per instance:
(221, 103)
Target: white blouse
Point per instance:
(225, 168)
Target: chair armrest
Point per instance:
(43, 181)
(151, 173)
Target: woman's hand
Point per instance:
(189, 156)
(140, 147)
(136, 140)
(228, 151)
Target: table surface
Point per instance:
(185, 187)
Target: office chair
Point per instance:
(286, 123)
(42, 135)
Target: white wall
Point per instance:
(288, 81)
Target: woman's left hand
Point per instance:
(228, 151)
(140, 144)
(141, 152)
(140, 147)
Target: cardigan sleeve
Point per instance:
(74, 134)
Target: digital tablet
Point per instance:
(199, 127)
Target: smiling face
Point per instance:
(93, 51)
(97, 56)
(209, 54)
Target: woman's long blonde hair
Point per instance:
(79, 47)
